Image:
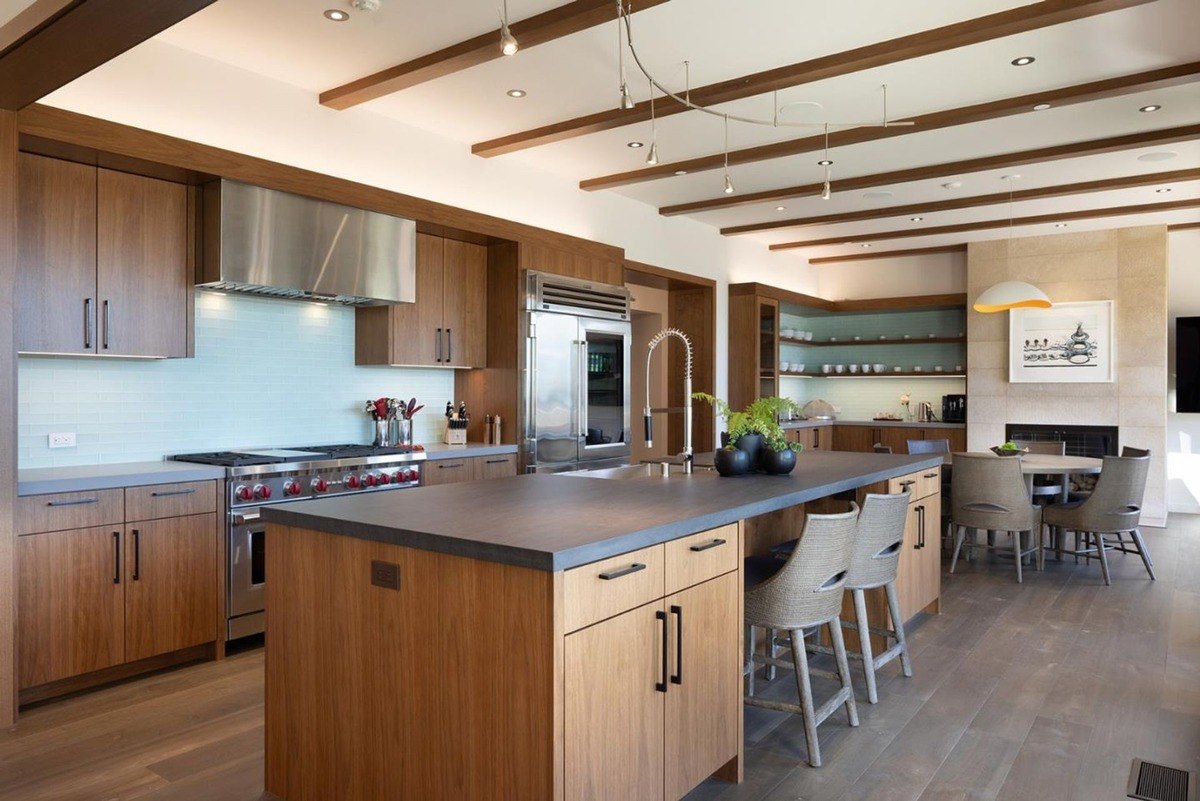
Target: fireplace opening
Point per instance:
(1092, 441)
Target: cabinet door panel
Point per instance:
(908, 576)
(71, 617)
(859, 439)
(170, 586)
(141, 265)
(416, 337)
(449, 471)
(464, 304)
(612, 713)
(497, 466)
(930, 556)
(898, 438)
(56, 256)
(703, 702)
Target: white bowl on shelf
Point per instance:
(839, 368)
(808, 336)
(797, 368)
(854, 368)
(788, 333)
(866, 368)
(879, 368)
(785, 366)
(826, 368)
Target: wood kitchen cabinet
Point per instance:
(70, 603)
(468, 468)
(816, 438)
(862, 439)
(103, 265)
(169, 591)
(500, 466)
(446, 326)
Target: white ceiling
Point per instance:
(722, 40)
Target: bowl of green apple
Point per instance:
(1009, 448)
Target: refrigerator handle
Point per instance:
(583, 380)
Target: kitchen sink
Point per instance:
(631, 471)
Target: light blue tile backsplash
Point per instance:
(863, 398)
(267, 373)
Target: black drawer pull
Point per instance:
(707, 545)
(931, 475)
(80, 502)
(907, 483)
(497, 461)
(168, 493)
(661, 686)
(137, 555)
(677, 678)
(625, 571)
(116, 557)
(449, 466)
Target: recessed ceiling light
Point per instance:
(337, 15)
(681, 172)
(952, 185)
(866, 244)
(634, 145)
(1163, 191)
(1012, 176)
(1149, 108)
(781, 208)
(1023, 61)
(825, 162)
(1041, 107)
(1060, 225)
(915, 219)
(1158, 155)
(516, 92)
(878, 194)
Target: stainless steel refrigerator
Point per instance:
(576, 364)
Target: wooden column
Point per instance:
(8, 417)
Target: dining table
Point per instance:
(1045, 464)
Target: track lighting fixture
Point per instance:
(826, 190)
(508, 42)
(652, 156)
(729, 189)
(728, 181)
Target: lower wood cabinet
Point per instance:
(817, 438)
(170, 594)
(500, 466)
(862, 439)
(468, 468)
(70, 604)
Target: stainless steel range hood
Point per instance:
(277, 244)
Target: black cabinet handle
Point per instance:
(87, 323)
(137, 555)
(661, 616)
(816, 438)
(707, 545)
(169, 493)
(116, 557)
(107, 324)
(677, 678)
(439, 345)
(931, 475)
(920, 529)
(79, 502)
(450, 466)
(449, 346)
(625, 571)
(497, 461)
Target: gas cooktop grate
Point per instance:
(229, 458)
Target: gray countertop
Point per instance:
(550, 522)
(440, 450)
(874, 423)
(83, 478)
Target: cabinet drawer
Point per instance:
(497, 466)
(691, 560)
(170, 500)
(64, 510)
(606, 588)
(929, 482)
(448, 471)
(910, 482)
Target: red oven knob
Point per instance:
(370, 480)
(262, 491)
(352, 482)
(244, 493)
(384, 478)
(319, 485)
(398, 477)
(291, 488)
(410, 475)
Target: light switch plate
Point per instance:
(63, 440)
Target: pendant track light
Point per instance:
(626, 99)
(729, 190)
(826, 190)
(508, 43)
(652, 156)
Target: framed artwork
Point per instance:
(1070, 343)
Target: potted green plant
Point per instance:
(756, 432)
(778, 455)
(739, 442)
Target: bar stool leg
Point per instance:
(1140, 544)
(1103, 558)
(843, 669)
(770, 649)
(893, 601)
(751, 644)
(864, 643)
(804, 689)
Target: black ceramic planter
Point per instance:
(752, 444)
(731, 462)
(778, 463)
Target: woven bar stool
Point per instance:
(806, 593)
(877, 545)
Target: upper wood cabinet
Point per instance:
(103, 261)
(447, 324)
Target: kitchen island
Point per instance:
(540, 637)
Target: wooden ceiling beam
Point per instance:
(1004, 222)
(540, 29)
(1022, 19)
(75, 39)
(1070, 95)
(1092, 147)
(954, 204)
(890, 254)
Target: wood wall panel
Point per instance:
(8, 417)
(693, 311)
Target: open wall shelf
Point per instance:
(892, 374)
(812, 343)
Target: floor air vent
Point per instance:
(1149, 781)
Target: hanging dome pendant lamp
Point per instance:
(1011, 294)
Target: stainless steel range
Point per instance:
(257, 478)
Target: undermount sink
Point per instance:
(630, 471)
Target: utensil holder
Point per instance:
(381, 433)
(400, 433)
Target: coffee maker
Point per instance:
(954, 408)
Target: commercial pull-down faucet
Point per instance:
(687, 455)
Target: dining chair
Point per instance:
(877, 545)
(928, 446)
(1114, 508)
(881, 448)
(990, 494)
(806, 593)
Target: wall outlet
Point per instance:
(63, 440)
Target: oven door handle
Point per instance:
(241, 520)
